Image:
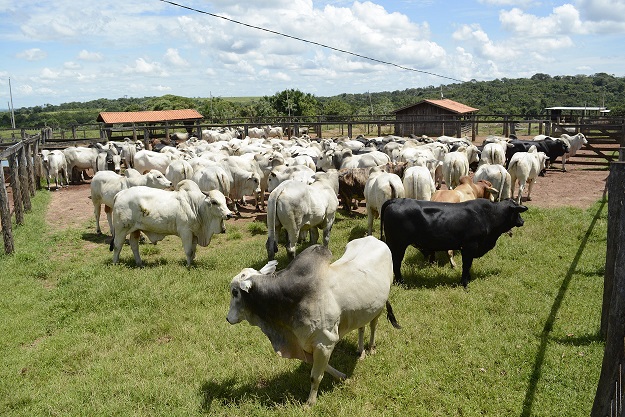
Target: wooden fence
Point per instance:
(609, 397)
(24, 174)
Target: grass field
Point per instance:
(83, 337)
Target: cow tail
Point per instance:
(390, 316)
(272, 202)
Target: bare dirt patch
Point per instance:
(578, 187)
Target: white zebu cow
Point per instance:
(575, 143)
(282, 173)
(81, 158)
(494, 151)
(185, 212)
(55, 166)
(300, 207)
(344, 158)
(256, 132)
(106, 184)
(146, 160)
(499, 178)
(178, 170)
(456, 164)
(524, 167)
(244, 175)
(109, 160)
(212, 177)
(308, 307)
(273, 132)
(418, 183)
(380, 186)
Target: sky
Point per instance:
(60, 51)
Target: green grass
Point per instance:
(83, 337)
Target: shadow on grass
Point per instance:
(555, 307)
(281, 390)
(96, 238)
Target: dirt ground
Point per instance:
(578, 187)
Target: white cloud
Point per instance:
(71, 65)
(33, 54)
(49, 74)
(564, 20)
(85, 55)
(172, 57)
(141, 66)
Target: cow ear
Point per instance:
(522, 209)
(246, 285)
(270, 268)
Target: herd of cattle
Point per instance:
(191, 188)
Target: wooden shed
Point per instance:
(136, 119)
(434, 118)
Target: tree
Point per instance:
(294, 103)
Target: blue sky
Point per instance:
(69, 50)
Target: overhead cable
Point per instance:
(309, 41)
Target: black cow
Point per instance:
(472, 227)
(553, 148)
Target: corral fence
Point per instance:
(609, 397)
(22, 173)
(605, 134)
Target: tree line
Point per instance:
(526, 97)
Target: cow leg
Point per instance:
(398, 253)
(134, 245)
(450, 254)
(189, 243)
(467, 261)
(314, 235)
(361, 343)
(370, 218)
(372, 327)
(96, 212)
(321, 357)
(116, 245)
(529, 189)
(109, 218)
(327, 229)
(521, 189)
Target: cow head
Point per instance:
(212, 213)
(156, 179)
(513, 211)
(240, 286)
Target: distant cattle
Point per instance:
(524, 168)
(553, 148)
(55, 166)
(472, 227)
(186, 212)
(308, 307)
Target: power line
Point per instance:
(309, 41)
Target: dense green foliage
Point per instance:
(523, 96)
(83, 337)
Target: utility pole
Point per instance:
(11, 106)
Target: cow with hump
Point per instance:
(472, 227)
(187, 212)
(306, 308)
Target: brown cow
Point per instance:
(352, 182)
(466, 190)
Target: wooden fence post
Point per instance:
(30, 167)
(616, 197)
(5, 216)
(23, 173)
(37, 163)
(614, 352)
(18, 204)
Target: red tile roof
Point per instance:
(445, 103)
(148, 116)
